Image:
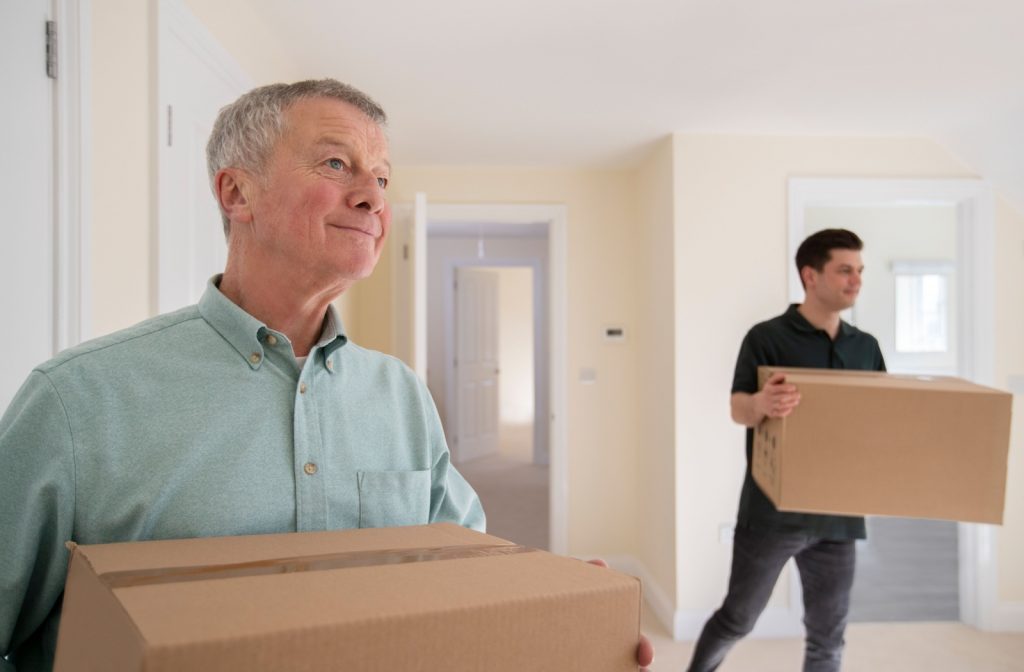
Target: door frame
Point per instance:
(539, 303)
(555, 217)
(973, 199)
(73, 176)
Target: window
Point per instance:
(922, 306)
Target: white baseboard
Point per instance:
(686, 624)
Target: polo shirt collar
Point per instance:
(245, 333)
(800, 322)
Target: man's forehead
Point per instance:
(844, 257)
(322, 116)
(323, 123)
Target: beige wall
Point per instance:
(733, 189)
(656, 534)
(515, 345)
(253, 43)
(123, 163)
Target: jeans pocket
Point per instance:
(393, 498)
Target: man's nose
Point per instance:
(367, 194)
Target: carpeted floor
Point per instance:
(870, 647)
(514, 491)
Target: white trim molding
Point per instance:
(686, 624)
(73, 179)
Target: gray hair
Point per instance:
(246, 130)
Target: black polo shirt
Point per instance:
(790, 340)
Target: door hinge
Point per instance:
(170, 125)
(405, 251)
(51, 49)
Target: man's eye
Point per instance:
(382, 182)
(336, 164)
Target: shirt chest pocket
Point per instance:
(393, 498)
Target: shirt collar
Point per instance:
(246, 334)
(800, 322)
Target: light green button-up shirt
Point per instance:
(202, 423)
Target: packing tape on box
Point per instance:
(311, 563)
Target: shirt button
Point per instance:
(271, 339)
(302, 388)
(330, 364)
(309, 468)
(255, 358)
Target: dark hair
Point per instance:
(816, 250)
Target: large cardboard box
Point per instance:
(435, 597)
(864, 443)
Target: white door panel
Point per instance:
(27, 243)
(476, 363)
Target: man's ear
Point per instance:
(234, 194)
(807, 273)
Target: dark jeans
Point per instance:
(826, 573)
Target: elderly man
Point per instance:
(250, 412)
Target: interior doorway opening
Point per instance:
(488, 369)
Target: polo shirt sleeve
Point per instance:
(37, 504)
(751, 356)
(452, 498)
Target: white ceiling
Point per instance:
(594, 82)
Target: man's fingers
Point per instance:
(644, 652)
(782, 406)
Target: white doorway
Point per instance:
(43, 183)
(927, 298)
(491, 427)
(517, 225)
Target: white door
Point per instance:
(27, 245)
(408, 249)
(197, 77)
(476, 363)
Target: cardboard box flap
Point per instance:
(107, 558)
(873, 379)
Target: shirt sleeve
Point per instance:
(452, 498)
(751, 356)
(37, 503)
